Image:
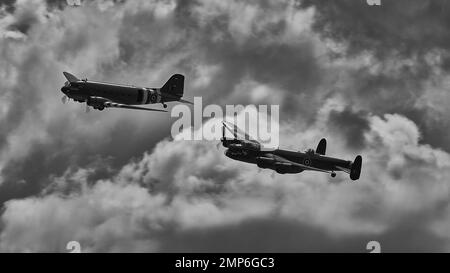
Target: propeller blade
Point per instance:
(87, 108)
(64, 99)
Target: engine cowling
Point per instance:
(97, 102)
(283, 168)
(246, 145)
(265, 162)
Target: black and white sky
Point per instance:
(373, 80)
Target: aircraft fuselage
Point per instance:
(81, 91)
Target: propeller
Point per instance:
(64, 99)
(228, 127)
(88, 109)
(232, 127)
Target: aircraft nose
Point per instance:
(64, 89)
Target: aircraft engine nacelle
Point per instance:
(97, 102)
(283, 168)
(265, 162)
(235, 146)
(251, 146)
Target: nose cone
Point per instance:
(64, 89)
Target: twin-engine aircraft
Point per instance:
(282, 161)
(101, 95)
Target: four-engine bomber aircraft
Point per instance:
(101, 95)
(282, 161)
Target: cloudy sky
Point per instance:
(372, 80)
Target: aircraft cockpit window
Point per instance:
(67, 84)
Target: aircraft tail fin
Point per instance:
(355, 170)
(322, 147)
(70, 77)
(174, 86)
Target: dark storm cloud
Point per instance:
(61, 4)
(291, 67)
(24, 23)
(407, 27)
(272, 49)
(8, 5)
(281, 235)
(352, 125)
(398, 31)
(52, 143)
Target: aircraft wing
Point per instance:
(169, 97)
(304, 167)
(126, 106)
(185, 101)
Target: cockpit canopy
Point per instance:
(67, 84)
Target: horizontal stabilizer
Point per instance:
(343, 169)
(126, 106)
(322, 147)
